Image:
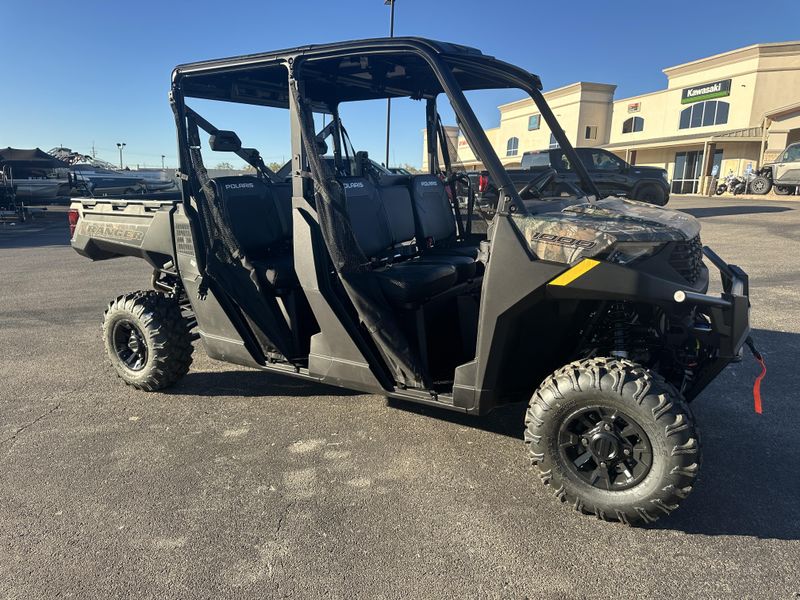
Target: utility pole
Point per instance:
(120, 145)
(389, 3)
(162, 162)
(94, 152)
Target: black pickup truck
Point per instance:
(612, 175)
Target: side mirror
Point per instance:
(225, 141)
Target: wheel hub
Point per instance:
(605, 448)
(133, 342)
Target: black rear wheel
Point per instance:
(613, 439)
(652, 193)
(783, 190)
(147, 340)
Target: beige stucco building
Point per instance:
(722, 113)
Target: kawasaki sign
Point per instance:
(718, 89)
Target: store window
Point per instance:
(591, 132)
(534, 121)
(704, 114)
(512, 146)
(633, 125)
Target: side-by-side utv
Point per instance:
(595, 310)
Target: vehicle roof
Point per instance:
(347, 46)
(338, 72)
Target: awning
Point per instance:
(29, 159)
(748, 134)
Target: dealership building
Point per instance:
(727, 112)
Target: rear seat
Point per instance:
(259, 214)
(406, 282)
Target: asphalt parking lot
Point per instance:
(242, 484)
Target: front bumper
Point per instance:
(730, 321)
(728, 312)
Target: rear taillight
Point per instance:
(483, 182)
(73, 217)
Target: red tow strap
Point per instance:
(757, 385)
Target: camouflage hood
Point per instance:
(590, 229)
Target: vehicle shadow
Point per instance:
(44, 230)
(505, 420)
(250, 384)
(749, 478)
(722, 211)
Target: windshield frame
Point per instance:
(514, 77)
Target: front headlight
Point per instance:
(626, 252)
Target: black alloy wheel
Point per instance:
(605, 448)
(130, 345)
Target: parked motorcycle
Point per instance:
(735, 184)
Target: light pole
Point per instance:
(162, 161)
(390, 3)
(120, 145)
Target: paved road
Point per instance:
(243, 484)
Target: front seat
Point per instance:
(404, 283)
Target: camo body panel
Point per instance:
(587, 230)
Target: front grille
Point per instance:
(687, 258)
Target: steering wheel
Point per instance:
(533, 188)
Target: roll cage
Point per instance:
(331, 74)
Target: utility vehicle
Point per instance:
(594, 310)
(783, 174)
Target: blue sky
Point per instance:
(98, 72)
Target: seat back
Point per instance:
(435, 220)
(367, 216)
(252, 211)
(283, 199)
(399, 213)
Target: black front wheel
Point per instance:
(147, 340)
(613, 439)
(760, 185)
(652, 194)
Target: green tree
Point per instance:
(225, 165)
(410, 168)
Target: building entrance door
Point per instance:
(686, 176)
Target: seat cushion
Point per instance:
(465, 266)
(411, 283)
(460, 250)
